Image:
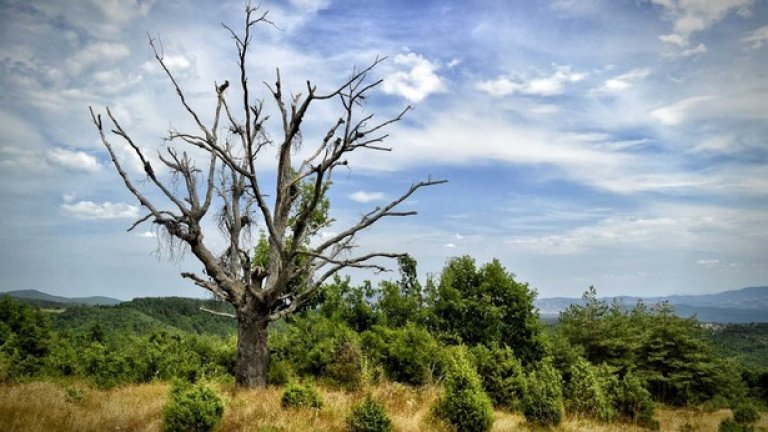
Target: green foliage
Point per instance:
(369, 416)
(634, 402)
(464, 405)
(677, 363)
(543, 401)
(192, 407)
(409, 354)
(745, 412)
(729, 425)
(318, 346)
(73, 395)
(748, 341)
(297, 395)
(280, 372)
(502, 375)
(589, 391)
(484, 306)
(24, 339)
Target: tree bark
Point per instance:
(252, 357)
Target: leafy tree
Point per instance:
(286, 280)
(24, 339)
(486, 306)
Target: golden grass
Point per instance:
(42, 406)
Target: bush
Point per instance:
(502, 375)
(297, 395)
(192, 407)
(280, 372)
(589, 391)
(745, 412)
(543, 402)
(346, 369)
(464, 405)
(73, 395)
(369, 416)
(408, 354)
(633, 401)
(729, 425)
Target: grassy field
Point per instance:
(44, 406)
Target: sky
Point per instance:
(614, 143)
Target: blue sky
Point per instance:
(620, 144)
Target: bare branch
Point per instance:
(217, 313)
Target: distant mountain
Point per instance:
(737, 306)
(39, 296)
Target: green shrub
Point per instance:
(73, 395)
(745, 412)
(192, 407)
(464, 405)
(280, 372)
(346, 369)
(408, 354)
(502, 375)
(633, 401)
(543, 401)
(589, 391)
(728, 425)
(297, 395)
(369, 416)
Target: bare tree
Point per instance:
(295, 260)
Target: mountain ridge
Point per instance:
(743, 305)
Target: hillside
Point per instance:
(40, 298)
(737, 306)
(143, 314)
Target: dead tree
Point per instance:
(293, 268)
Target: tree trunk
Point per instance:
(252, 357)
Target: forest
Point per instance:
(466, 349)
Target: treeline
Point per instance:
(472, 328)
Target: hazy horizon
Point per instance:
(619, 144)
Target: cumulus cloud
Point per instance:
(89, 210)
(624, 81)
(692, 16)
(73, 160)
(756, 38)
(147, 234)
(365, 197)
(419, 80)
(540, 86)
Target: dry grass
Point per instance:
(42, 406)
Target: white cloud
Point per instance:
(624, 81)
(458, 236)
(756, 38)
(708, 262)
(147, 234)
(540, 86)
(68, 197)
(365, 197)
(97, 53)
(311, 5)
(73, 160)
(676, 113)
(692, 16)
(89, 210)
(700, 49)
(175, 62)
(417, 82)
(449, 246)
